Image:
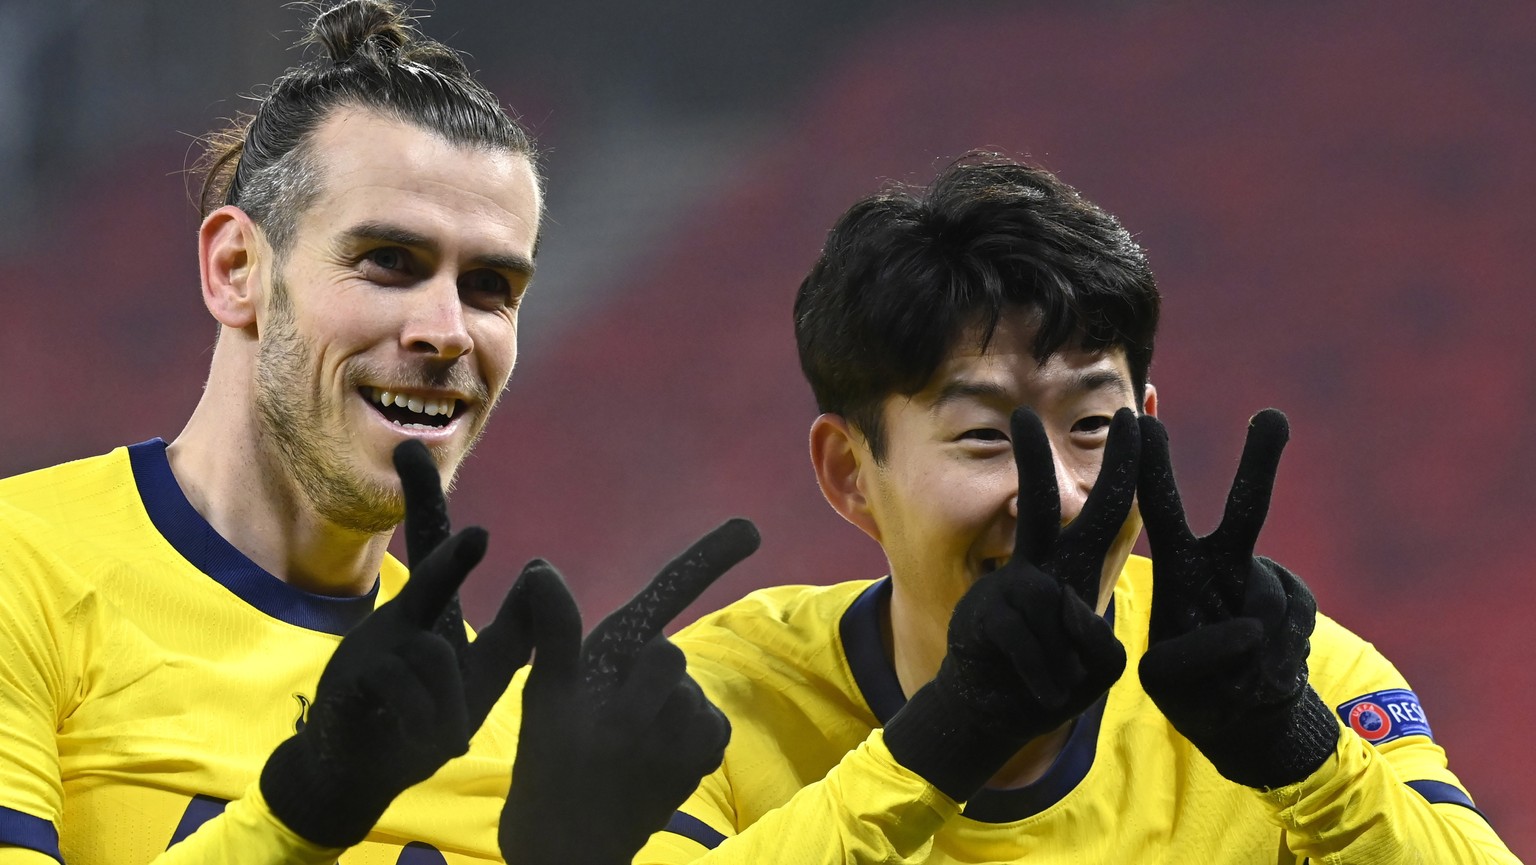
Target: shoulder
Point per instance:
(781, 618)
(72, 507)
(772, 637)
(1341, 663)
(58, 490)
(65, 519)
(35, 570)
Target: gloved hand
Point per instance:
(404, 691)
(1226, 660)
(1027, 652)
(615, 734)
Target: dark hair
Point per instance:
(904, 273)
(371, 56)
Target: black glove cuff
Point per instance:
(940, 741)
(308, 801)
(1276, 749)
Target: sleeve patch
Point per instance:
(694, 829)
(1380, 717)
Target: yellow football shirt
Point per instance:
(148, 668)
(802, 674)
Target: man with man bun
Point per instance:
(191, 665)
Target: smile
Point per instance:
(412, 410)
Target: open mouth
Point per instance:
(408, 410)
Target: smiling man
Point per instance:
(1020, 687)
(401, 279)
(192, 668)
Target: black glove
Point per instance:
(615, 734)
(1227, 646)
(1027, 652)
(405, 690)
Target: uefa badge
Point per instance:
(1385, 715)
(1370, 721)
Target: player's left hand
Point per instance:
(615, 734)
(1228, 641)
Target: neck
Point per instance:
(231, 478)
(916, 642)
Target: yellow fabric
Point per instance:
(132, 682)
(806, 778)
(246, 834)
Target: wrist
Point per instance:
(944, 743)
(1274, 749)
(314, 802)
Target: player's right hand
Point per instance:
(1027, 652)
(404, 691)
(615, 734)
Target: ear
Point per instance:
(840, 457)
(1149, 400)
(227, 252)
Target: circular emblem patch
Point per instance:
(1371, 721)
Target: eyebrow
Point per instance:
(1100, 379)
(383, 232)
(985, 391)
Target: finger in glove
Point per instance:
(611, 646)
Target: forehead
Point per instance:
(373, 168)
(1005, 369)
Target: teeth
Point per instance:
(427, 406)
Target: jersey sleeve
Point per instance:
(42, 622)
(1386, 794)
(867, 809)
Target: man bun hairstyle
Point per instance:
(905, 273)
(364, 54)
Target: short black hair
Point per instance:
(370, 56)
(905, 272)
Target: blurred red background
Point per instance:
(1336, 199)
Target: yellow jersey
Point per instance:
(147, 670)
(803, 676)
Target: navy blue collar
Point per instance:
(186, 530)
(876, 680)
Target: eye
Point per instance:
(488, 289)
(387, 261)
(1094, 424)
(984, 434)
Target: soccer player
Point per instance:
(174, 681)
(1020, 688)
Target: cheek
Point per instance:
(954, 505)
(496, 343)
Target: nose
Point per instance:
(1071, 489)
(435, 323)
(1071, 486)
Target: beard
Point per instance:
(304, 441)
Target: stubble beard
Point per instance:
(299, 439)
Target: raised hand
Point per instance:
(405, 690)
(1027, 652)
(615, 734)
(1228, 640)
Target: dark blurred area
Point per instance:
(1336, 198)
